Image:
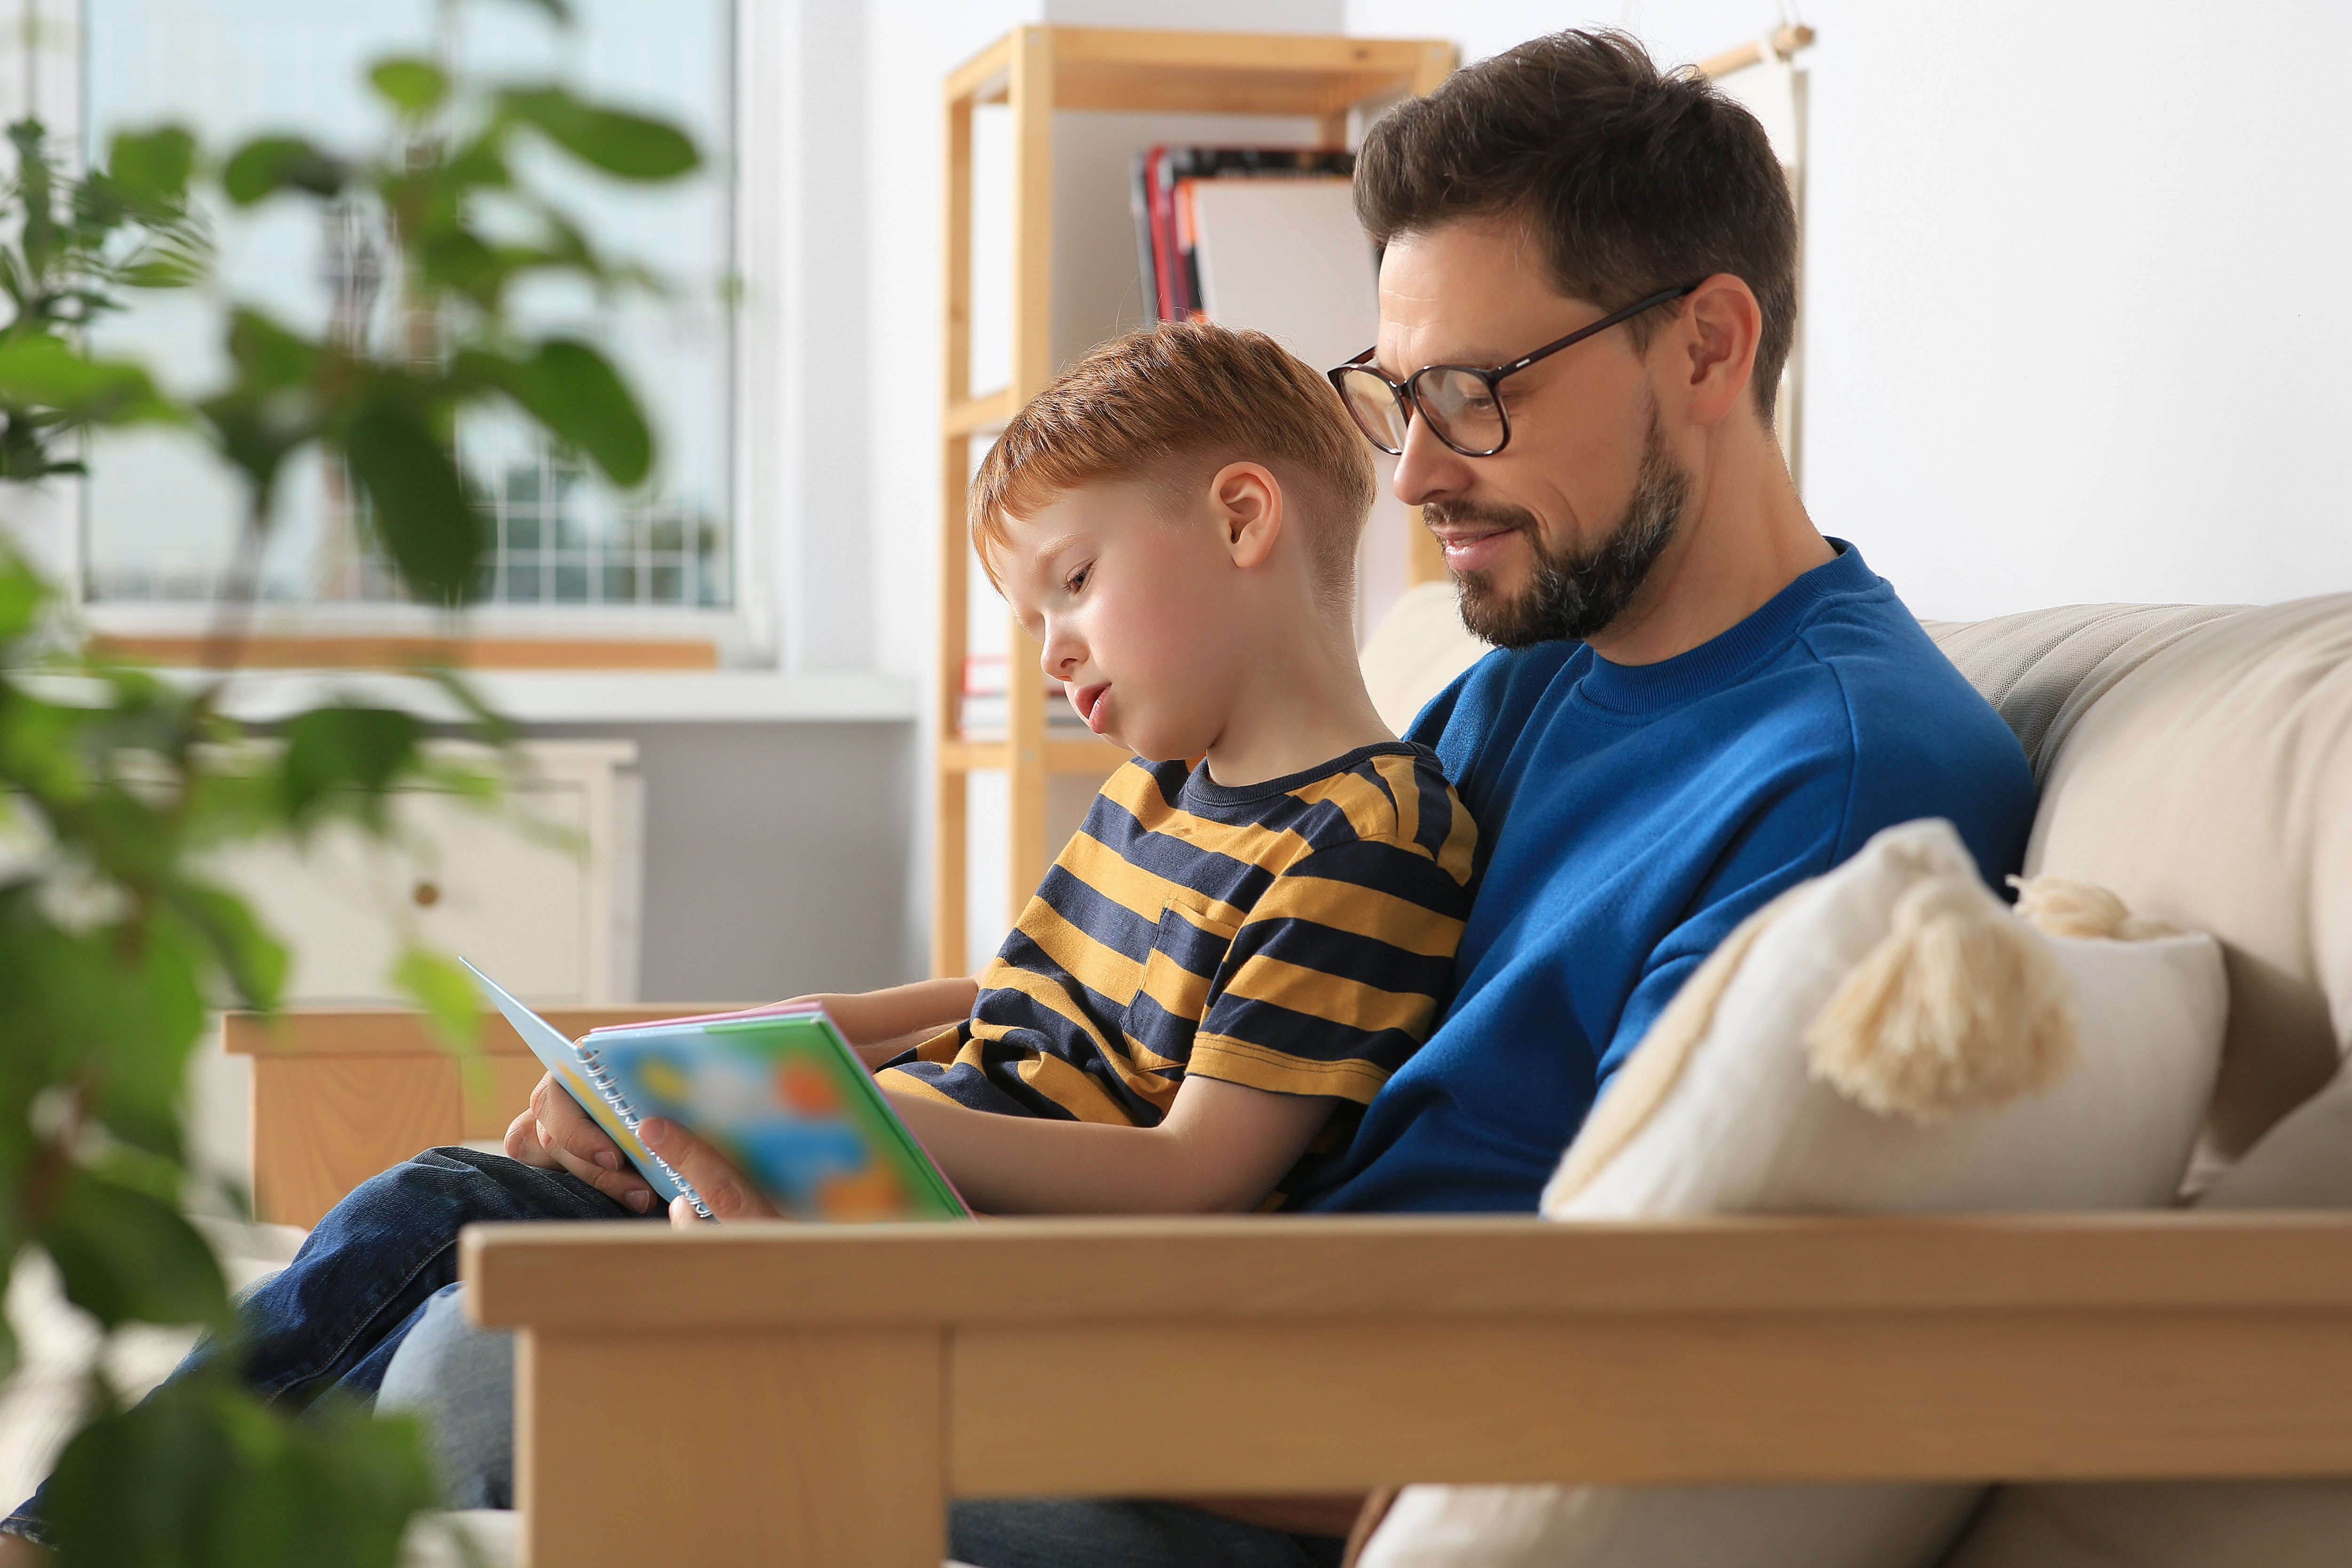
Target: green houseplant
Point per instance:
(115, 782)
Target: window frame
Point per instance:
(745, 632)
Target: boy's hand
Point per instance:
(555, 1134)
(724, 1191)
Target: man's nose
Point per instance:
(1428, 470)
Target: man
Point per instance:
(1587, 293)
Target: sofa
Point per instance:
(2148, 1384)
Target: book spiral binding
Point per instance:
(603, 1083)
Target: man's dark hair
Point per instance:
(1632, 181)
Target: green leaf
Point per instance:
(255, 960)
(424, 518)
(267, 164)
(477, 164)
(342, 749)
(39, 371)
(267, 356)
(413, 87)
(152, 164)
(445, 992)
(203, 1475)
(30, 138)
(127, 1257)
(459, 260)
(574, 391)
(115, 1009)
(271, 408)
(630, 146)
(423, 515)
(22, 594)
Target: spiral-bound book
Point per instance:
(777, 1090)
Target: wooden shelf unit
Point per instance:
(1034, 71)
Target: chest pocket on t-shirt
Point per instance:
(1173, 991)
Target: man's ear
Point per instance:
(1718, 337)
(1246, 501)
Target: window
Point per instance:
(161, 522)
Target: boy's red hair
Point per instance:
(1168, 407)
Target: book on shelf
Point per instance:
(983, 705)
(1165, 186)
(984, 717)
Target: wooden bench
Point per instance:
(780, 1395)
(775, 1393)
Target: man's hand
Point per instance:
(555, 1134)
(723, 1187)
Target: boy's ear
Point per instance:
(1246, 501)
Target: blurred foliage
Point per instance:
(223, 1479)
(116, 783)
(78, 243)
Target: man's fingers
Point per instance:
(724, 1191)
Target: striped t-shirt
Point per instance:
(1296, 936)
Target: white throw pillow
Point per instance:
(2009, 1069)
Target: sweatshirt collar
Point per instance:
(1722, 660)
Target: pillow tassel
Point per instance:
(1959, 1007)
(2060, 906)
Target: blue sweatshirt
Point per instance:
(1629, 816)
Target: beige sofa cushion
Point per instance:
(2189, 1524)
(2211, 786)
(2042, 669)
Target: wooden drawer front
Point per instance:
(461, 879)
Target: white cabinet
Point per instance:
(542, 890)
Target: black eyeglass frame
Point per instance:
(1408, 394)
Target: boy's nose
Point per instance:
(1062, 656)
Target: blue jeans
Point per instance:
(384, 1261)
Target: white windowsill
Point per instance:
(586, 697)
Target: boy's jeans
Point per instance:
(365, 1278)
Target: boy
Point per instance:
(1224, 956)
(1228, 952)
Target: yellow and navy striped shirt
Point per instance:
(1296, 936)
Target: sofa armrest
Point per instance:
(814, 1394)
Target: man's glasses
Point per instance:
(1463, 404)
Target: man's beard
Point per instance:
(1573, 594)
